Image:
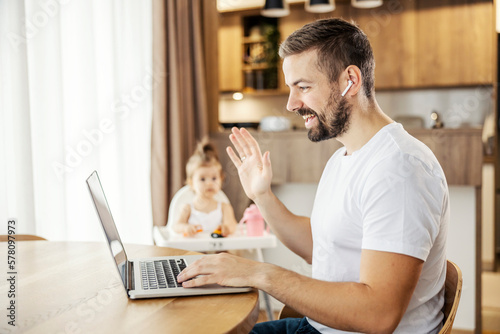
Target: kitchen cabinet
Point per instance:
(417, 44)
(459, 151)
(230, 36)
(392, 32)
(454, 44)
(427, 43)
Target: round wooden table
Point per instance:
(74, 287)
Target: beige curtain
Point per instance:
(180, 107)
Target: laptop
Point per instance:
(146, 277)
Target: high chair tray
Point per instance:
(203, 242)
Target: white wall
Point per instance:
(457, 106)
(462, 250)
(461, 241)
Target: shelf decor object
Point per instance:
(366, 3)
(275, 8)
(320, 6)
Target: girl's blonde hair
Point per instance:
(204, 155)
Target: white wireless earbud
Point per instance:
(347, 88)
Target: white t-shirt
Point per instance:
(391, 195)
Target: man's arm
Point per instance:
(255, 172)
(374, 305)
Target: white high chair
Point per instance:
(165, 236)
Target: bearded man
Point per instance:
(376, 237)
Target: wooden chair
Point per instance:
(21, 237)
(452, 293)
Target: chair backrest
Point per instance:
(452, 293)
(21, 237)
(182, 197)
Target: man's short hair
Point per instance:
(339, 44)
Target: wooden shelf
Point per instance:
(267, 92)
(255, 67)
(489, 159)
(251, 40)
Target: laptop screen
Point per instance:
(108, 225)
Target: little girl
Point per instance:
(204, 176)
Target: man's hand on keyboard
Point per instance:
(224, 269)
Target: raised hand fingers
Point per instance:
(234, 158)
(251, 143)
(239, 143)
(245, 144)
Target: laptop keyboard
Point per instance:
(161, 274)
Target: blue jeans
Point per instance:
(287, 325)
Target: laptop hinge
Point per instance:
(130, 276)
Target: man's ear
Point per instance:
(353, 74)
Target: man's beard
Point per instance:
(333, 120)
